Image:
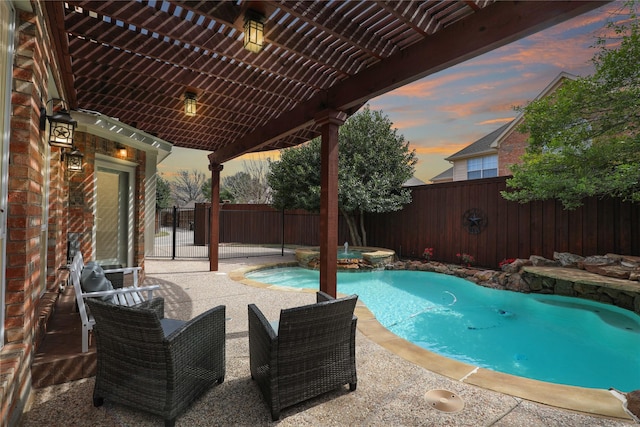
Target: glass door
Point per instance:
(112, 214)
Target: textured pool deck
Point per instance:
(393, 375)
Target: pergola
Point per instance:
(321, 60)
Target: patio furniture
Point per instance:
(122, 296)
(155, 364)
(310, 351)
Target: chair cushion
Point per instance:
(170, 325)
(275, 324)
(92, 279)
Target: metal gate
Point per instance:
(184, 233)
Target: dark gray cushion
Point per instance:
(170, 325)
(93, 279)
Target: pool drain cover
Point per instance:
(444, 400)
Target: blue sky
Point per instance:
(444, 112)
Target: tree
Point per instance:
(224, 193)
(188, 187)
(584, 139)
(206, 189)
(249, 185)
(373, 162)
(163, 193)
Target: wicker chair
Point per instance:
(155, 364)
(313, 351)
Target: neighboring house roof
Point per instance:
(445, 176)
(551, 87)
(481, 146)
(413, 181)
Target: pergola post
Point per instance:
(214, 219)
(330, 122)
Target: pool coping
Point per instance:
(591, 401)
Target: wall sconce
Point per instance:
(74, 159)
(61, 125)
(190, 104)
(253, 31)
(121, 150)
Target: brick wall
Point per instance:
(511, 149)
(24, 213)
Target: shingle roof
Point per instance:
(413, 181)
(444, 176)
(481, 146)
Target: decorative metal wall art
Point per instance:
(474, 221)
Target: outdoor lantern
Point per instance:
(190, 104)
(253, 31)
(121, 150)
(61, 126)
(74, 160)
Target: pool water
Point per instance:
(545, 337)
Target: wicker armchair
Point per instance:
(155, 364)
(311, 351)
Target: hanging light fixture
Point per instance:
(74, 160)
(190, 104)
(61, 125)
(253, 31)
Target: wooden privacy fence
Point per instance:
(436, 218)
(262, 224)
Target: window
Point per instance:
(482, 167)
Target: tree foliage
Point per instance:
(584, 139)
(249, 185)
(163, 193)
(373, 162)
(187, 187)
(206, 190)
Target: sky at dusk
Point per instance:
(442, 113)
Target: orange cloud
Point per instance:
(427, 88)
(494, 121)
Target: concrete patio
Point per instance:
(391, 389)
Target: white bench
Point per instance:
(127, 296)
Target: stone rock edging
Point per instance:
(513, 276)
(372, 258)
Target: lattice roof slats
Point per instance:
(331, 22)
(158, 70)
(157, 105)
(150, 113)
(287, 39)
(188, 57)
(233, 112)
(211, 68)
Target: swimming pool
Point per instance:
(546, 337)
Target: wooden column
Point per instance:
(330, 122)
(214, 220)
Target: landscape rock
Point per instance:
(633, 403)
(593, 263)
(630, 261)
(539, 261)
(484, 276)
(617, 271)
(567, 259)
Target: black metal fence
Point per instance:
(184, 233)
